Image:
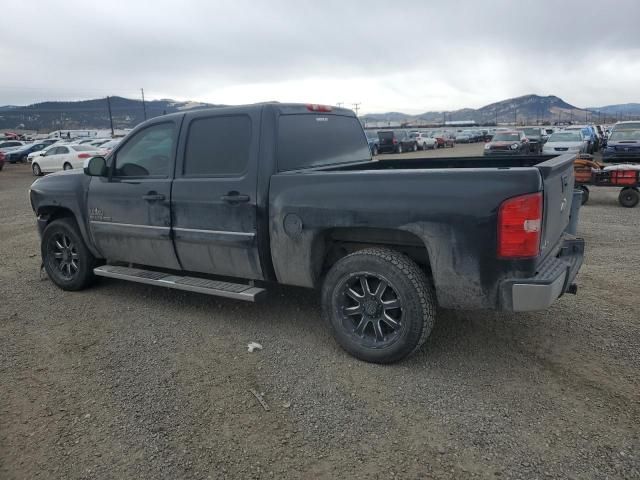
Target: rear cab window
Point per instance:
(312, 140)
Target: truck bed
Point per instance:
(450, 205)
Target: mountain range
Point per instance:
(521, 110)
(126, 113)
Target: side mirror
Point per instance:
(95, 167)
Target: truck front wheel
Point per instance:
(66, 258)
(379, 305)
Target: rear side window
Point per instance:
(218, 146)
(308, 140)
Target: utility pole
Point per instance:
(515, 117)
(110, 116)
(339, 104)
(444, 118)
(144, 106)
(496, 117)
(356, 107)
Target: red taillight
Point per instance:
(519, 226)
(84, 155)
(395, 140)
(314, 107)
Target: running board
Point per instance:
(237, 291)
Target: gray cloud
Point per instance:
(411, 55)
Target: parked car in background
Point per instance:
(444, 139)
(10, 144)
(101, 141)
(423, 140)
(466, 136)
(373, 140)
(565, 142)
(536, 136)
(396, 141)
(623, 145)
(110, 145)
(512, 142)
(588, 134)
(19, 154)
(63, 157)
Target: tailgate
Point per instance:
(557, 177)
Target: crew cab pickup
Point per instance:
(227, 201)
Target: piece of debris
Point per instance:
(260, 399)
(253, 346)
(286, 405)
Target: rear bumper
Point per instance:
(554, 277)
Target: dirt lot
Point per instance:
(131, 381)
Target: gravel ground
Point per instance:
(131, 381)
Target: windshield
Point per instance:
(565, 137)
(531, 132)
(625, 136)
(626, 126)
(110, 144)
(506, 137)
(371, 135)
(82, 148)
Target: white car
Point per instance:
(423, 140)
(569, 141)
(62, 157)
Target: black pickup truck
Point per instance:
(226, 201)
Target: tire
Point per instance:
(390, 333)
(585, 194)
(67, 166)
(399, 149)
(35, 168)
(65, 257)
(629, 197)
(1, 165)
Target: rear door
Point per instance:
(129, 211)
(214, 194)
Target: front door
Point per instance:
(130, 211)
(214, 194)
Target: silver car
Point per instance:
(570, 141)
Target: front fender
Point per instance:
(62, 194)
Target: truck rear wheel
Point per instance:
(67, 260)
(629, 197)
(379, 305)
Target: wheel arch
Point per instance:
(332, 244)
(48, 213)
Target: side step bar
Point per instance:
(237, 291)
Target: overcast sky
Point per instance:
(410, 56)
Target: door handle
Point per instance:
(235, 197)
(153, 197)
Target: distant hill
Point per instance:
(527, 109)
(88, 113)
(626, 109)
